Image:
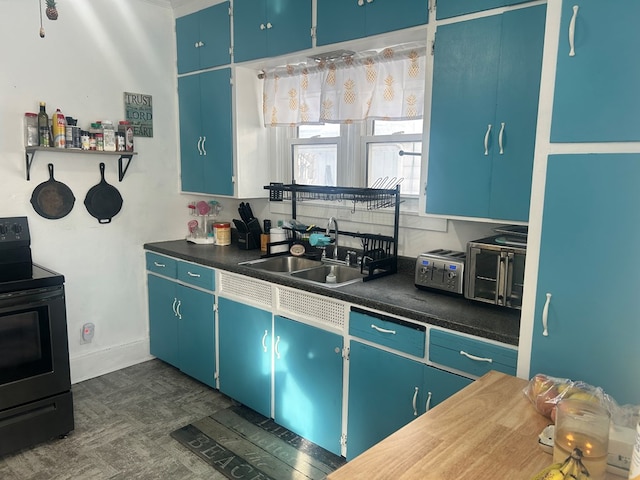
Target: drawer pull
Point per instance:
(383, 330)
(161, 265)
(415, 399)
(196, 275)
(264, 341)
(477, 359)
(427, 405)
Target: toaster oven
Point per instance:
(495, 270)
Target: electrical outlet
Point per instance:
(88, 330)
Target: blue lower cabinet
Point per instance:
(385, 393)
(163, 322)
(196, 334)
(245, 354)
(181, 328)
(308, 368)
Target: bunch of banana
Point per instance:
(571, 469)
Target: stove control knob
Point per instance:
(16, 228)
(3, 229)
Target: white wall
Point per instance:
(93, 53)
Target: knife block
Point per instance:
(248, 234)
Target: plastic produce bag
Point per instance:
(544, 392)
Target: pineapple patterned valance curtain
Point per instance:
(387, 85)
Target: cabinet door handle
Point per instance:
(414, 402)
(382, 330)
(200, 145)
(369, 1)
(161, 265)
(500, 135)
(178, 309)
(572, 31)
(196, 275)
(173, 307)
(486, 140)
(269, 25)
(204, 139)
(201, 44)
(360, 3)
(545, 316)
(264, 341)
(275, 348)
(262, 26)
(427, 405)
(477, 359)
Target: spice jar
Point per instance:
(127, 130)
(109, 136)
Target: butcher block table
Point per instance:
(488, 430)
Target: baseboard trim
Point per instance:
(101, 362)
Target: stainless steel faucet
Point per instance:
(335, 237)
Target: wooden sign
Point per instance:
(138, 109)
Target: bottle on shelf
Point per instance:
(58, 129)
(43, 126)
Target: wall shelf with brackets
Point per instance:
(30, 153)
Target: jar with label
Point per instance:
(93, 145)
(85, 140)
(31, 129)
(120, 146)
(127, 129)
(109, 136)
(99, 142)
(222, 233)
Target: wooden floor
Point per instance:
(122, 426)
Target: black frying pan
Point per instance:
(103, 201)
(52, 199)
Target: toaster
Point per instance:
(441, 270)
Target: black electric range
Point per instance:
(36, 403)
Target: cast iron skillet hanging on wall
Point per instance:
(103, 201)
(52, 199)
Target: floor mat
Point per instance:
(242, 444)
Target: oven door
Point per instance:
(34, 352)
(495, 275)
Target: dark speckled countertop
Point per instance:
(393, 294)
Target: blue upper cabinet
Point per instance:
(596, 93)
(453, 8)
(268, 28)
(483, 115)
(592, 319)
(204, 38)
(206, 145)
(341, 20)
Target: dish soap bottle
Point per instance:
(331, 276)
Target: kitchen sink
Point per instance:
(282, 264)
(305, 269)
(344, 275)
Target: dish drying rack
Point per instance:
(379, 252)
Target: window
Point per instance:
(376, 153)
